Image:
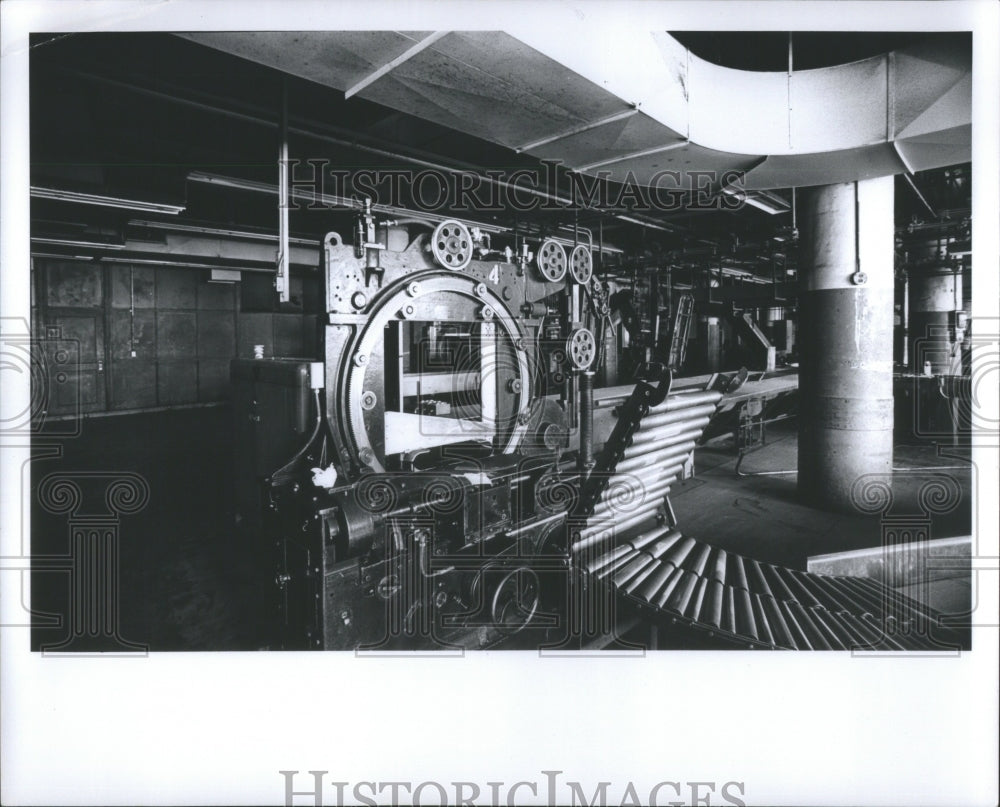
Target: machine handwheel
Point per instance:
(451, 244)
(515, 600)
(581, 265)
(581, 347)
(552, 260)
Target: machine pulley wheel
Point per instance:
(451, 245)
(551, 260)
(581, 265)
(581, 347)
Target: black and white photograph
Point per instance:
(414, 416)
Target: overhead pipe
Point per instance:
(261, 119)
(282, 280)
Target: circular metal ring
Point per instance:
(581, 265)
(581, 347)
(386, 308)
(551, 260)
(526, 592)
(451, 245)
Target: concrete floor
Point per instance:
(761, 516)
(186, 581)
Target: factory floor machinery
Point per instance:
(442, 478)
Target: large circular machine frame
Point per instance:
(393, 304)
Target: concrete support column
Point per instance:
(710, 343)
(845, 338)
(934, 300)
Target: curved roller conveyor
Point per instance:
(676, 579)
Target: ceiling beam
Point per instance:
(406, 55)
(583, 127)
(633, 155)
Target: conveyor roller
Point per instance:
(684, 582)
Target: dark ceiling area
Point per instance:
(136, 115)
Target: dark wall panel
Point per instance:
(79, 390)
(133, 384)
(288, 335)
(177, 382)
(73, 285)
(213, 379)
(255, 329)
(183, 329)
(216, 334)
(310, 346)
(81, 334)
(139, 290)
(217, 296)
(177, 288)
(176, 334)
(136, 333)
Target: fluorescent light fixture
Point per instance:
(224, 276)
(62, 257)
(768, 202)
(181, 264)
(67, 242)
(61, 195)
(176, 226)
(665, 227)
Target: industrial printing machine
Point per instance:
(461, 469)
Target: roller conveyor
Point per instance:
(690, 584)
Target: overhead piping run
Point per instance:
(339, 141)
(281, 277)
(100, 200)
(330, 200)
(408, 54)
(789, 89)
